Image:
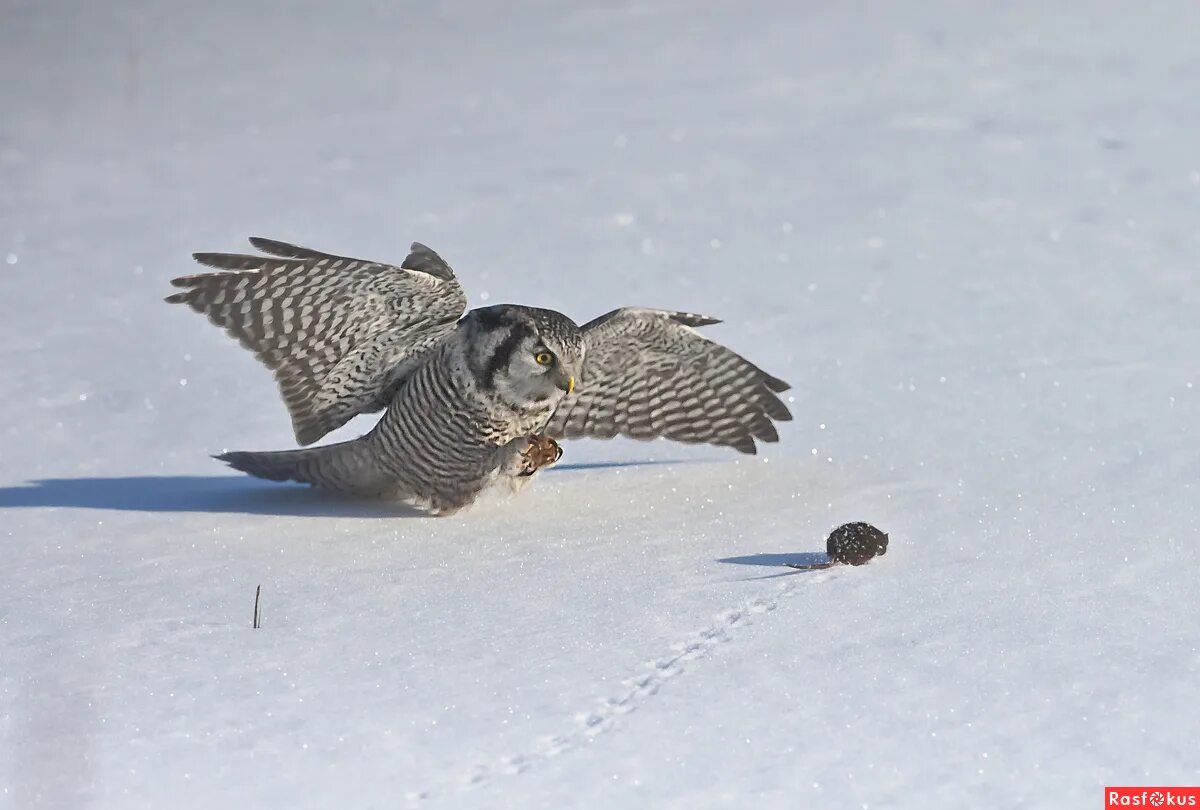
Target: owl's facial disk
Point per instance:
(535, 374)
(524, 363)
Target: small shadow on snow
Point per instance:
(193, 493)
(798, 558)
(779, 561)
(212, 493)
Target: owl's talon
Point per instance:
(541, 452)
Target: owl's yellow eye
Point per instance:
(544, 358)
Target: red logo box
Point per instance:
(1152, 796)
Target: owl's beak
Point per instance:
(567, 383)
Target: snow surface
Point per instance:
(966, 233)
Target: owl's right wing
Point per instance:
(338, 332)
(649, 373)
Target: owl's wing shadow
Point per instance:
(230, 494)
(227, 494)
(607, 465)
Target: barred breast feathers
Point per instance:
(436, 437)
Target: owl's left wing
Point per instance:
(338, 332)
(649, 373)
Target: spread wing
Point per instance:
(338, 332)
(649, 373)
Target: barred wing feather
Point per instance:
(338, 332)
(649, 373)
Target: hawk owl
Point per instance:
(472, 401)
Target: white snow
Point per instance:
(966, 233)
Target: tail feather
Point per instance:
(345, 467)
(275, 466)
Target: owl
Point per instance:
(472, 401)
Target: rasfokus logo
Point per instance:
(1152, 797)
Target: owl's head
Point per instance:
(529, 357)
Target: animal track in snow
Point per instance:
(635, 691)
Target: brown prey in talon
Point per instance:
(542, 452)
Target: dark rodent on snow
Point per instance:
(856, 543)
